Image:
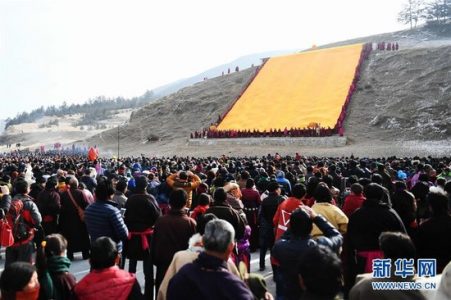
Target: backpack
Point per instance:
(20, 228)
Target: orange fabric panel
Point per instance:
(296, 90)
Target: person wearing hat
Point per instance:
(234, 196)
(23, 247)
(49, 204)
(285, 183)
(141, 213)
(267, 211)
(89, 179)
(262, 181)
(251, 201)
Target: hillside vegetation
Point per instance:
(92, 112)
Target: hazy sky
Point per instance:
(56, 50)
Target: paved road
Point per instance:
(80, 268)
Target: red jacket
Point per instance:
(110, 283)
(352, 203)
(281, 219)
(250, 198)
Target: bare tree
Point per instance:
(411, 13)
(438, 11)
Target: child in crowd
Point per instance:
(53, 268)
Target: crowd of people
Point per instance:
(389, 46)
(312, 131)
(323, 221)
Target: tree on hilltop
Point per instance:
(438, 11)
(433, 12)
(411, 12)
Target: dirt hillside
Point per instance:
(166, 124)
(403, 95)
(401, 107)
(49, 130)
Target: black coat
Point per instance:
(90, 182)
(49, 205)
(141, 213)
(367, 223)
(172, 233)
(226, 212)
(434, 240)
(286, 252)
(71, 227)
(364, 228)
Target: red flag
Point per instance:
(92, 154)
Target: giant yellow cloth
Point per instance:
(295, 90)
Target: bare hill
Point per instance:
(166, 124)
(403, 95)
(48, 130)
(401, 107)
(403, 99)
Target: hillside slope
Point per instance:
(49, 130)
(243, 62)
(402, 100)
(403, 95)
(166, 124)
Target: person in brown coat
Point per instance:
(224, 211)
(71, 226)
(171, 233)
(49, 205)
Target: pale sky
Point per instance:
(56, 50)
